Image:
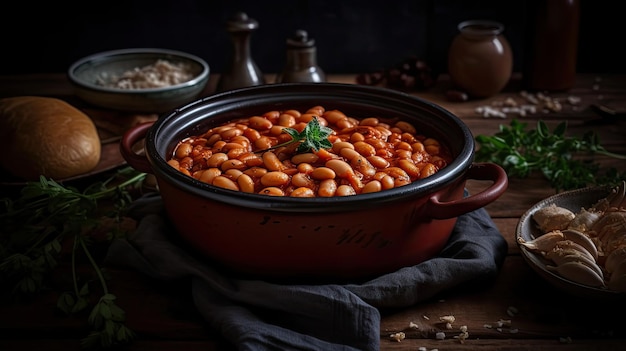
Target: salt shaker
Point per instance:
(243, 71)
(301, 63)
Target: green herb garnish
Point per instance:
(559, 158)
(47, 214)
(313, 137)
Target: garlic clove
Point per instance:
(565, 247)
(584, 220)
(545, 242)
(553, 217)
(616, 257)
(579, 273)
(580, 258)
(583, 240)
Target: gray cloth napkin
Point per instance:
(263, 315)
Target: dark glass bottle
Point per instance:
(551, 47)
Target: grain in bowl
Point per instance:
(162, 73)
(259, 154)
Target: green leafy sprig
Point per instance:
(37, 223)
(314, 136)
(559, 158)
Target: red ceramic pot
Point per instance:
(340, 237)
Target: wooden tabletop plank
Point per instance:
(547, 318)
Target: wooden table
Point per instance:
(546, 319)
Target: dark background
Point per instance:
(351, 36)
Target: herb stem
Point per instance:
(93, 263)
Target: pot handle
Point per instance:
(479, 171)
(130, 138)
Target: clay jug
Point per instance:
(480, 60)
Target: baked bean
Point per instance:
(340, 145)
(252, 134)
(255, 172)
(302, 192)
(431, 147)
(305, 168)
(370, 121)
(377, 143)
(245, 183)
(304, 158)
(406, 127)
(341, 168)
(417, 157)
(263, 143)
(272, 162)
(272, 191)
(302, 180)
(286, 120)
(214, 138)
(274, 178)
(186, 163)
(344, 124)
(387, 182)
(174, 163)
(233, 164)
(428, 170)
(209, 174)
(418, 146)
(367, 155)
(251, 159)
(217, 159)
(225, 182)
(356, 137)
(272, 116)
(408, 138)
(183, 150)
(364, 148)
(230, 133)
(232, 173)
(334, 116)
(345, 190)
(307, 117)
(217, 147)
(242, 140)
(403, 154)
(322, 173)
(409, 167)
(277, 130)
(294, 113)
(260, 123)
(373, 186)
(327, 188)
(344, 170)
(378, 161)
(316, 110)
(349, 153)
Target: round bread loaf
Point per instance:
(46, 136)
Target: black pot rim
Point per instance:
(355, 100)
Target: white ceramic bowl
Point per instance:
(573, 200)
(87, 75)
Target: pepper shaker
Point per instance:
(243, 71)
(301, 63)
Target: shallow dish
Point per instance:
(87, 74)
(573, 200)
